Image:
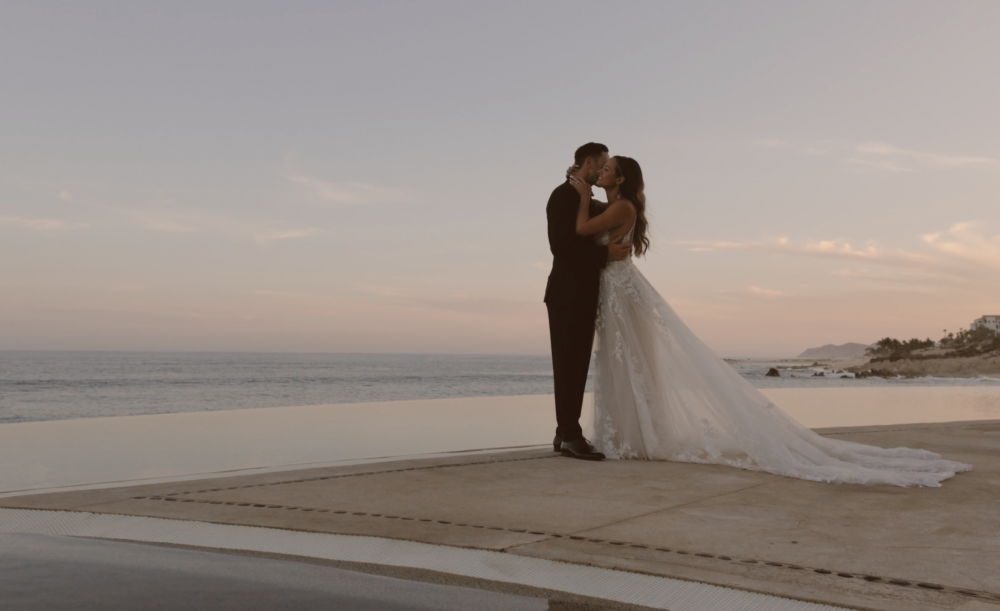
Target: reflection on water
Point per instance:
(89, 450)
(834, 407)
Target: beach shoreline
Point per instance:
(948, 368)
(802, 363)
(952, 367)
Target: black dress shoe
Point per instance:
(557, 444)
(580, 449)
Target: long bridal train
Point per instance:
(662, 394)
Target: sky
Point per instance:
(372, 176)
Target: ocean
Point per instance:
(37, 386)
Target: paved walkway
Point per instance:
(857, 546)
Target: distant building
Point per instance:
(990, 322)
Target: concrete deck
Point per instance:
(863, 547)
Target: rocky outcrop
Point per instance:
(959, 367)
(772, 373)
(877, 373)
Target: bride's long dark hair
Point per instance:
(632, 190)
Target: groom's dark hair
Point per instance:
(591, 149)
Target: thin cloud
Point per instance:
(919, 280)
(39, 224)
(961, 253)
(458, 302)
(196, 222)
(880, 156)
(815, 148)
(827, 249)
(861, 274)
(347, 192)
(873, 164)
(756, 290)
(385, 291)
(753, 293)
(475, 305)
(965, 243)
(181, 221)
(881, 149)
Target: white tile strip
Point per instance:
(620, 586)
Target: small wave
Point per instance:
(952, 381)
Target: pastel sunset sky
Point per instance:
(372, 176)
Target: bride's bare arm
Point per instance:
(618, 213)
(613, 215)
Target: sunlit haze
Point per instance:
(372, 176)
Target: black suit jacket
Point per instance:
(577, 261)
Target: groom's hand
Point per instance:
(618, 252)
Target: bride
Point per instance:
(662, 394)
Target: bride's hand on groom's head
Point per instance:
(571, 170)
(582, 187)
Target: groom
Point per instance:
(571, 299)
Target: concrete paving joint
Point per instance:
(642, 590)
(833, 573)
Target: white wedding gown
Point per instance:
(662, 394)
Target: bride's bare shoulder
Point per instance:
(626, 204)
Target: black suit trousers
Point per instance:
(571, 330)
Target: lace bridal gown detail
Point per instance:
(662, 394)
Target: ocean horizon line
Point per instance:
(324, 352)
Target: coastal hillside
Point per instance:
(952, 367)
(851, 350)
(967, 354)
